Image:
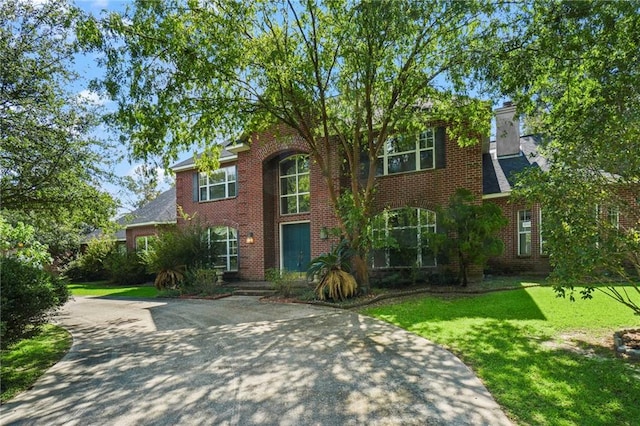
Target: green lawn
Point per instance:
(104, 289)
(27, 360)
(544, 359)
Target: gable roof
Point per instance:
(499, 174)
(189, 163)
(160, 210)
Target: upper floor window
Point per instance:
(402, 238)
(295, 187)
(408, 153)
(218, 184)
(226, 246)
(524, 232)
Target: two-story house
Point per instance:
(269, 206)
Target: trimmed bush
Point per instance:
(29, 295)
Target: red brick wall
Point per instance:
(142, 231)
(430, 188)
(256, 207)
(510, 261)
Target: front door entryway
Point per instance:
(296, 246)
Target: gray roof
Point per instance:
(499, 174)
(190, 162)
(161, 209)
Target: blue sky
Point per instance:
(88, 69)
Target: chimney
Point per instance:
(507, 131)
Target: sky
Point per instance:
(88, 68)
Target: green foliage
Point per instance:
(92, 264)
(29, 294)
(177, 251)
(574, 67)
(27, 360)
(52, 168)
(470, 231)
(19, 241)
(283, 281)
(541, 359)
(332, 270)
(125, 268)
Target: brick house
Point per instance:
(269, 205)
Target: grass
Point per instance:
(104, 289)
(545, 360)
(23, 363)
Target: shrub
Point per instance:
(29, 295)
(177, 251)
(90, 265)
(281, 280)
(125, 268)
(333, 269)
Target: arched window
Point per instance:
(295, 185)
(400, 238)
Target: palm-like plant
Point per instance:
(333, 268)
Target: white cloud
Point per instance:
(87, 96)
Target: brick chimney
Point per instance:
(507, 131)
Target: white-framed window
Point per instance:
(295, 185)
(543, 242)
(408, 153)
(144, 242)
(225, 239)
(524, 232)
(403, 233)
(613, 217)
(217, 185)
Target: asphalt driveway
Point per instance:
(238, 361)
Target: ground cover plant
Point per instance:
(23, 363)
(105, 289)
(547, 361)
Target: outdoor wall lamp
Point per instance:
(324, 233)
(250, 238)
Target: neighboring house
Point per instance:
(269, 204)
(137, 228)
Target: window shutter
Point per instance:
(196, 188)
(441, 148)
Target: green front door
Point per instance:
(296, 246)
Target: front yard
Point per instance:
(547, 361)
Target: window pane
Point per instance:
(380, 166)
(232, 189)
(303, 164)
(427, 139)
(218, 176)
(402, 163)
(304, 203)
(203, 194)
(202, 177)
(233, 263)
(216, 192)
(426, 159)
(525, 244)
(288, 167)
(289, 205)
(303, 183)
(288, 185)
(401, 144)
(428, 257)
(231, 173)
(379, 258)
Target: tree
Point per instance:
(343, 75)
(575, 68)
(29, 293)
(142, 186)
(50, 166)
(469, 232)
